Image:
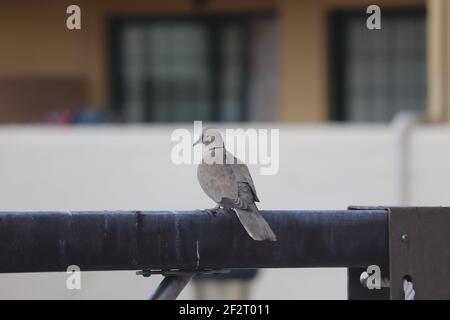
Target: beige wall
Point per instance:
(39, 45)
(35, 41)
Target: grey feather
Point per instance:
(255, 225)
(231, 186)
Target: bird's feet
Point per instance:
(213, 211)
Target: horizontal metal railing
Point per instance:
(189, 240)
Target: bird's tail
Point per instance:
(255, 225)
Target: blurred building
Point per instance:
(156, 61)
(223, 60)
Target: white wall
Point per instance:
(98, 168)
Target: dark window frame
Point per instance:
(336, 52)
(213, 22)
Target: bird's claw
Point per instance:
(213, 211)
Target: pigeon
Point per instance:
(227, 181)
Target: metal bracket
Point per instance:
(419, 249)
(174, 281)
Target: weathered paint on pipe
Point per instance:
(190, 240)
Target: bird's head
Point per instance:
(210, 138)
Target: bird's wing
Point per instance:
(243, 175)
(243, 200)
(217, 181)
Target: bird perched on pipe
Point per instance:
(227, 181)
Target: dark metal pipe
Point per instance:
(188, 240)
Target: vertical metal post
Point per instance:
(171, 287)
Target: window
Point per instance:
(182, 69)
(377, 73)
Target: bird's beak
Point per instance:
(198, 141)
